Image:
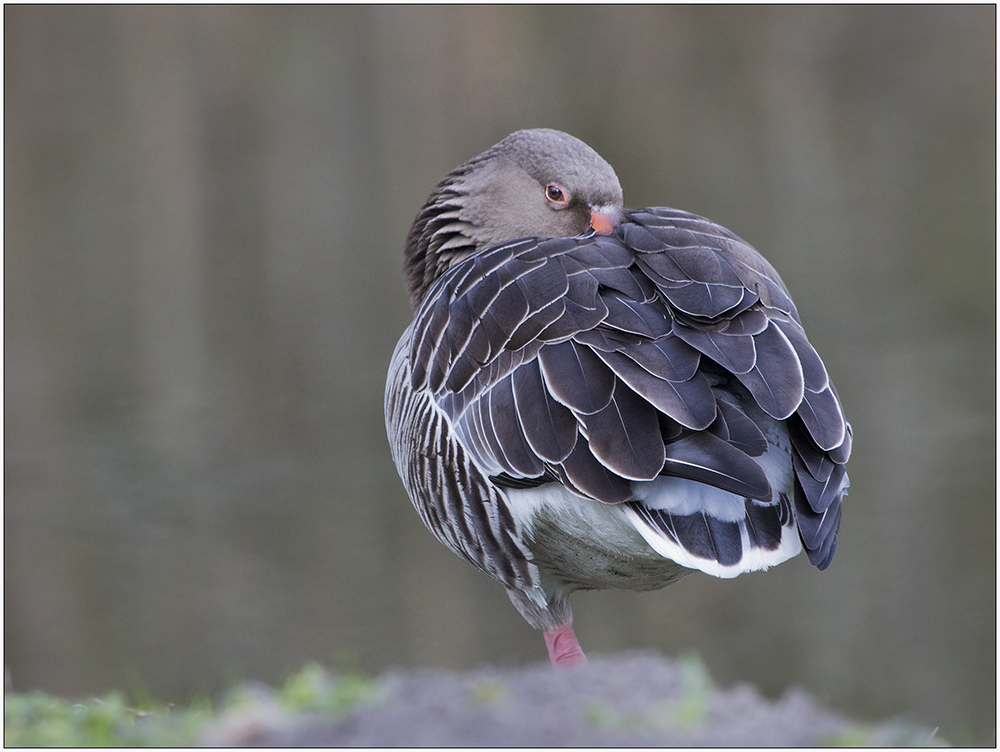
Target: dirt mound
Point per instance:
(634, 699)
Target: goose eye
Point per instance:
(555, 193)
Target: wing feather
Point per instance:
(624, 436)
(505, 431)
(584, 473)
(605, 361)
(576, 377)
(706, 458)
(549, 427)
(735, 353)
(691, 403)
(775, 381)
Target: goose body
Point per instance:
(597, 397)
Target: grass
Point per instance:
(36, 719)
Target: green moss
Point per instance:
(611, 719)
(691, 708)
(37, 719)
(489, 692)
(688, 710)
(895, 733)
(315, 690)
(696, 692)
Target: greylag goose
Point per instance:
(591, 396)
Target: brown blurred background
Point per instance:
(204, 216)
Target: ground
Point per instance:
(632, 699)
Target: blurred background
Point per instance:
(205, 209)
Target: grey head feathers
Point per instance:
(500, 195)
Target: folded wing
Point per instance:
(668, 353)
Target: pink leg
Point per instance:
(564, 648)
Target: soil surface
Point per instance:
(628, 700)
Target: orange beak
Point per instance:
(603, 223)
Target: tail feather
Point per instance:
(725, 537)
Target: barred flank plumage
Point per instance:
(455, 501)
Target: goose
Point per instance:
(591, 396)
